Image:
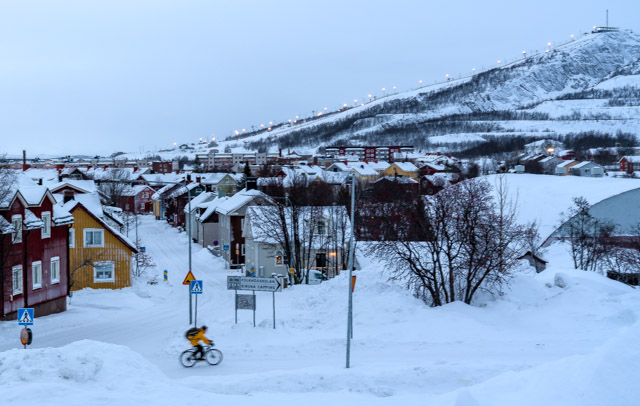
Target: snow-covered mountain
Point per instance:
(588, 84)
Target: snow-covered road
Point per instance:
(402, 353)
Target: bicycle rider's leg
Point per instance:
(200, 351)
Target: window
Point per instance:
(16, 273)
(242, 249)
(36, 273)
(141, 206)
(16, 221)
(93, 237)
(321, 227)
(55, 270)
(72, 238)
(104, 272)
(46, 229)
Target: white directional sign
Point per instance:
(25, 316)
(196, 287)
(248, 283)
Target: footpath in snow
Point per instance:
(538, 344)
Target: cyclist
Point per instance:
(195, 341)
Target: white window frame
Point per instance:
(55, 264)
(93, 230)
(46, 219)
(17, 225)
(16, 279)
(242, 250)
(72, 237)
(103, 264)
(36, 274)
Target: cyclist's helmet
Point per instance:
(204, 327)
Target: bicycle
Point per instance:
(212, 355)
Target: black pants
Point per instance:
(199, 350)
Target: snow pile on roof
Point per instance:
(31, 221)
(5, 226)
(406, 166)
(61, 216)
(90, 202)
(158, 194)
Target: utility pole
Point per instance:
(351, 255)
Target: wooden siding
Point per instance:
(114, 250)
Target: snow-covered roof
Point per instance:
(406, 166)
(211, 207)
(631, 158)
(196, 201)
(399, 179)
(238, 200)
(91, 202)
(565, 163)
(135, 190)
(85, 186)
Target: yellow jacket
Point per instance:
(195, 340)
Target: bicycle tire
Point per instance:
(213, 356)
(187, 360)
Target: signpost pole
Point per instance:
(254, 308)
(274, 309)
(236, 306)
(189, 243)
(195, 320)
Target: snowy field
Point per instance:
(543, 198)
(538, 344)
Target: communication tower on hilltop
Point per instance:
(606, 28)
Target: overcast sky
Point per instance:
(101, 76)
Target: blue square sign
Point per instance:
(196, 287)
(25, 316)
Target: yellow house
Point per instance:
(406, 169)
(99, 256)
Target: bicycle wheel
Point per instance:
(213, 356)
(187, 359)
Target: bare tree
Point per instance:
(113, 185)
(454, 244)
(588, 236)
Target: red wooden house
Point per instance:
(137, 199)
(33, 252)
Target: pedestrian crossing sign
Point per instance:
(25, 316)
(196, 287)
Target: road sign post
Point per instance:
(273, 284)
(25, 318)
(187, 281)
(195, 289)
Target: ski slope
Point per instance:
(537, 344)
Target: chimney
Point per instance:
(59, 178)
(40, 182)
(68, 195)
(252, 183)
(24, 159)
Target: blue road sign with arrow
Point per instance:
(25, 316)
